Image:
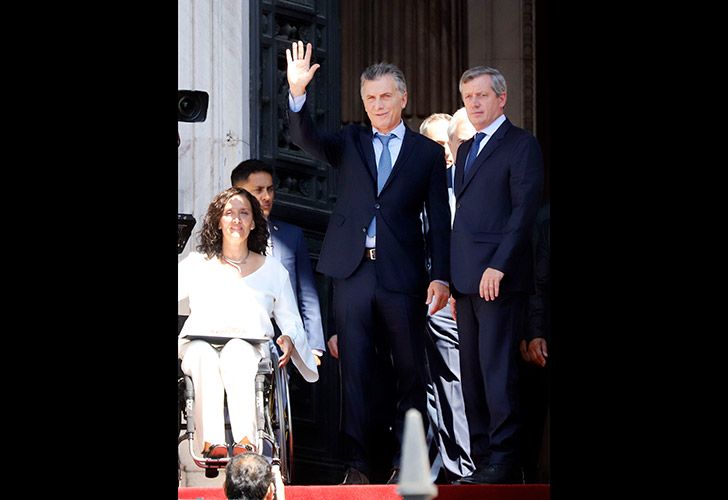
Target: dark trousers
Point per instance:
(489, 334)
(381, 337)
(448, 440)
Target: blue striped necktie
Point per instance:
(383, 170)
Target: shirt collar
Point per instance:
(398, 130)
(490, 129)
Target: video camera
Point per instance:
(191, 107)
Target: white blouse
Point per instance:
(224, 304)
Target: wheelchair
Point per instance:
(273, 413)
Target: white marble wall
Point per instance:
(214, 56)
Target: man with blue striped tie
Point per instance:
(376, 253)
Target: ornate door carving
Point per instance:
(304, 194)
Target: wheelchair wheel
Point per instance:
(181, 421)
(283, 426)
(180, 405)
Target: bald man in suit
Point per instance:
(448, 438)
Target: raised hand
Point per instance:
(299, 72)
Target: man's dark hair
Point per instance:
(247, 477)
(247, 167)
(382, 69)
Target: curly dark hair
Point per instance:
(247, 477)
(210, 234)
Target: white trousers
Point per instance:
(218, 370)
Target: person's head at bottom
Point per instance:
(249, 476)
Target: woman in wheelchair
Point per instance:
(233, 291)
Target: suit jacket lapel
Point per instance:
(488, 149)
(462, 153)
(364, 145)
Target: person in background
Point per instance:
(497, 190)
(375, 251)
(233, 291)
(459, 130)
(534, 351)
(287, 244)
(249, 476)
(435, 127)
(448, 439)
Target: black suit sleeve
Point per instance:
(526, 184)
(320, 145)
(437, 212)
(539, 303)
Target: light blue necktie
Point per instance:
(473, 153)
(383, 170)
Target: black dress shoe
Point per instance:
(495, 474)
(355, 476)
(394, 478)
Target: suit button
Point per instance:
(376, 205)
(363, 230)
(458, 205)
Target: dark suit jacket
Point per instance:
(539, 304)
(417, 179)
(496, 204)
(289, 247)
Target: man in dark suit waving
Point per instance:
(374, 248)
(498, 187)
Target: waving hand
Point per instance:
(300, 72)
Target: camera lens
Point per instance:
(191, 105)
(186, 107)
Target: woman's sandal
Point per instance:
(216, 451)
(243, 446)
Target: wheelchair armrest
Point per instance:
(265, 366)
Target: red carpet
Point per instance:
(389, 492)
